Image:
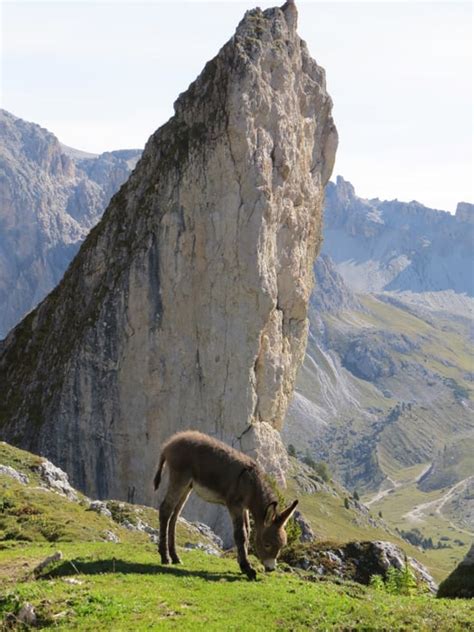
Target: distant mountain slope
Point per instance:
(50, 197)
(391, 245)
(385, 397)
(381, 384)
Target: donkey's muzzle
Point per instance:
(269, 565)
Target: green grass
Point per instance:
(123, 587)
(100, 585)
(403, 499)
(34, 513)
(331, 521)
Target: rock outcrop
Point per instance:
(186, 305)
(460, 583)
(50, 197)
(357, 561)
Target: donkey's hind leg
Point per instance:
(172, 526)
(176, 488)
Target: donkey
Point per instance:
(220, 474)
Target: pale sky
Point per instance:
(104, 75)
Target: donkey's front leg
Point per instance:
(240, 537)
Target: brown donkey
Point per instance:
(220, 474)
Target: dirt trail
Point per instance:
(394, 484)
(416, 514)
(382, 493)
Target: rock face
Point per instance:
(186, 305)
(461, 581)
(50, 197)
(331, 295)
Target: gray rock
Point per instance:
(357, 561)
(100, 507)
(27, 614)
(6, 470)
(209, 533)
(110, 536)
(333, 557)
(187, 304)
(56, 480)
(307, 533)
(206, 548)
(305, 564)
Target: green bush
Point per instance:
(321, 468)
(397, 581)
(377, 583)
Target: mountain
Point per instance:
(50, 197)
(391, 245)
(186, 304)
(385, 394)
(382, 386)
(387, 379)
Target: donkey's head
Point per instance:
(270, 536)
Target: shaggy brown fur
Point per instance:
(220, 474)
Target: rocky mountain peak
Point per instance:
(50, 196)
(36, 144)
(344, 190)
(465, 212)
(186, 305)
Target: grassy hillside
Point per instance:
(332, 520)
(123, 587)
(385, 398)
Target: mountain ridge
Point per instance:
(398, 246)
(49, 201)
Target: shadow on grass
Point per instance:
(100, 567)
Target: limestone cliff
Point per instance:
(186, 305)
(50, 197)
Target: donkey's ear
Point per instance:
(286, 514)
(270, 513)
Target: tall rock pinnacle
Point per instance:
(186, 305)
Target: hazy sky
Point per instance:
(104, 75)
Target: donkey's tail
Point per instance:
(157, 479)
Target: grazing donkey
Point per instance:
(220, 474)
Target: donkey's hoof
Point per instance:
(165, 560)
(251, 574)
(176, 560)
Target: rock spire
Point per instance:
(186, 305)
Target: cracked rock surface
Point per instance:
(186, 305)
